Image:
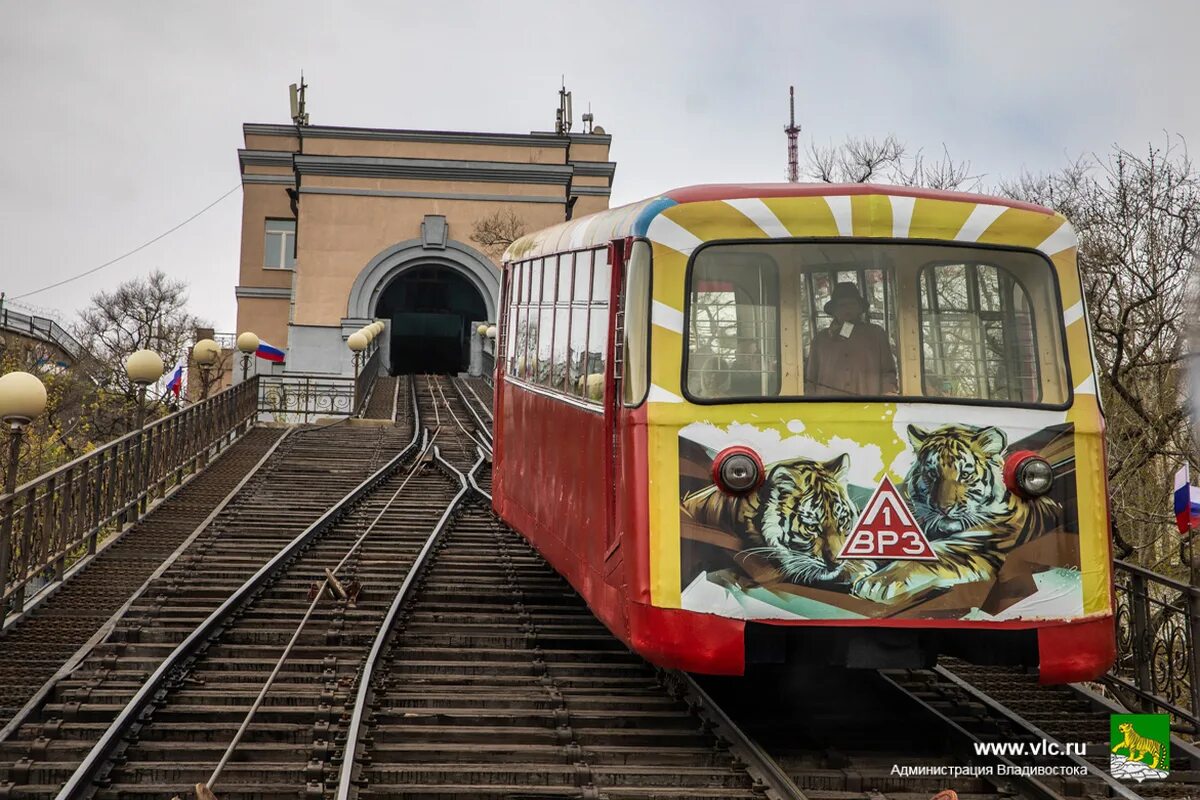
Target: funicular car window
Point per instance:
(877, 319)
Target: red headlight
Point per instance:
(1028, 474)
(737, 470)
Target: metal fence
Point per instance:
(1158, 619)
(300, 397)
(40, 328)
(56, 519)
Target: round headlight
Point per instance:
(1035, 476)
(738, 472)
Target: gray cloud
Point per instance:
(122, 119)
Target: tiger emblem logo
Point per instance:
(797, 519)
(956, 490)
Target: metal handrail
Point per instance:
(59, 515)
(82, 780)
(42, 328)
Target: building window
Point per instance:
(279, 250)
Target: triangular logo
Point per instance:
(886, 529)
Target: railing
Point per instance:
(303, 397)
(56, 519)
(41, 328)
(1157, 667)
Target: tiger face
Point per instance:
(956, 483)
(803, 515)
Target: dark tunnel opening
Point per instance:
(431, 309)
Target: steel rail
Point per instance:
(350, 761)
(484, 429)
(327, 582)
(1031, 784)
(396, 398)
(478, 399)
(152, 693)
(471, 475)
(771, 778)
(436, 383)
(1117, 788)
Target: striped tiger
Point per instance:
(957, 492)
(798, 519)
(1138, 746)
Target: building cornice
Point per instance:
(594, 169)
(274, 180)
(433, 169)
(491, 198)
(599, 191)
(394, 135)
(272, 292)
(264, 158)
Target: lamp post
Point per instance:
(357, 342)
(247, 343)
(143, 368)
(206, 353)
(22, 399)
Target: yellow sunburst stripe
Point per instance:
(938, 219)
(1021, 228)
(663, 444)
(713, 220)
(669, 268)
(1093, 517)
(1078, 351)
(871, 215)
(803, 216)
(666, 353)
(1068, 277)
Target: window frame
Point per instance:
(284, 237)
(933, 265)
(649, 333)
(529, 382)
(1068, 402)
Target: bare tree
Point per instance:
(1137, 216)
(142, 313)
(887, 160)
(495, 232)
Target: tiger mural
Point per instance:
(798, 519)
(956, 490)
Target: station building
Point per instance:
(341, 226)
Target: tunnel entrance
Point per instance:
(431, 309)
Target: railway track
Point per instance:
(34, 645)
(466, 667)
(310, 470)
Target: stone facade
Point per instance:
(372, 207)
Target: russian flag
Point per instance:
(175, 382)
(1187, 502)
(269, 353)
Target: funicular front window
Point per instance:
(873, 319)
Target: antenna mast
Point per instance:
(296, 93)
(562, 124)
(792, 130)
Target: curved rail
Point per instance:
(152, 692)
(484, 429)
(350, 760)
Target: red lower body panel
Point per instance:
(1076, 651)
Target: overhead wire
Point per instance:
(123, 256)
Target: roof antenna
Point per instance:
(299, 115)
(562, 124)
(587, 120)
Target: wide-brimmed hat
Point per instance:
(845, 291)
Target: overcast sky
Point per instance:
(121, 120)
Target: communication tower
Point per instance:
(792, 130)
